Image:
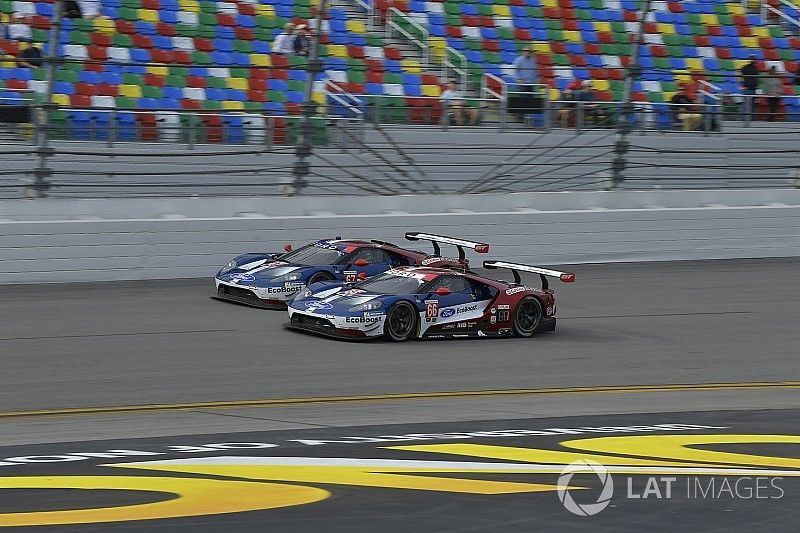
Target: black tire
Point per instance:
(527, 317)
(320, 276)
(401, 322)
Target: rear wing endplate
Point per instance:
(515, 268)
(479, 247)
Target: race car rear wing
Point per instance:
(566, 277)
(479, 247)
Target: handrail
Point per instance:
(391, 24)
(336, 96)
(369, 9)
(485, 90)
(457, 69)
(784, 16)
(711, 87)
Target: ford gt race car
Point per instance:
(270, 280)
(427, 303)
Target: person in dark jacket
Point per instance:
(750, 79)
(302, 42)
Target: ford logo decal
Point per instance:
(313, 306)
(447, 312)
(243, 277)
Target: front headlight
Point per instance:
(288, 277)
(230, 266)
(367, 306)
(304, 294)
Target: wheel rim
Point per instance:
(528, 316)
(401, 321)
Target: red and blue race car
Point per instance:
(271, 280)
(423, 302)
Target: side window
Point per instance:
(454, 283)
(370, 255)
(399, 260)
(483, 291)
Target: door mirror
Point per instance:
(361, 275)
(287, 247)
(443, 291)
(360, 262)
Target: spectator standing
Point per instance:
(454, 102)
(18, 29)
(684, 108)
(525, 71)
(773, 89)
(567, 111)
(31, 56)
(302, 42)
(72, 10)
(284, 42)
(749, 84)
(591, 110)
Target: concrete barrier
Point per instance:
(124, 239)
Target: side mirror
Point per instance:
(443, 291)
(361, 275)
(287, 247)
(360, 262)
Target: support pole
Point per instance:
(40, 183)
(624, 124)
(306, 133)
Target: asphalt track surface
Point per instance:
(124, 345)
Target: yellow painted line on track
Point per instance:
(278, 402)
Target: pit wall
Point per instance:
(65, 240)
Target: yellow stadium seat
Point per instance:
(189, 5)
(410, 66)
(500, 10)
(61, 99)
(7, 62)
(602, 26)
(541, 48)
(356, 26)
(683, 77)
(665, 28)
(264, 10)
(337, 50)
(260, 60)
(130, 91)
(437, 45)
(749, 42)
(431, 90)
(158, 71)
(694, 63)
(572, 36)
(760, 31)
(238, 83)
(549, 3)
(739, 63)
(668, 95)
(709, 19)
(147, 15)
(232, 105)
(554, 94)
(735, 8)
(318, 97)
(601, 85)
(103, 24)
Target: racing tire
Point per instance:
(527, 317)
(401, 322)
(319, 276)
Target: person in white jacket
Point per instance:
(284, 42)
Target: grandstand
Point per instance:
(215, 58)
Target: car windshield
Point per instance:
(391, 283)
(313, 255)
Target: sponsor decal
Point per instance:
(351, 292)
(275, 264)
(317, 305)
(493, 310)
(350, 276)
(481, 334)
(504, 315)
(503, 307)
(432, 260)
(297, 284)
(363, 319)
(238, 278)
(279, 290)
(492, 319)
(431, 309)
(326, 245)
(467, 309)
(550, 310)
(447, 312)
(515, 290)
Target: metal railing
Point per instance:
(394, 23)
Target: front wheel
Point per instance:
(527, 317)
(319, 276)
(401, 321)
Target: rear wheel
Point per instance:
(401, 322)
(527, 317)
(320, 276)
